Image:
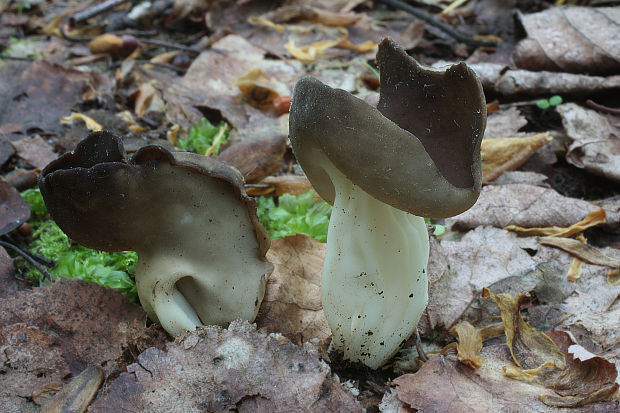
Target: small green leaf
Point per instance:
(543, 104)
(555, 100)
(295, 215)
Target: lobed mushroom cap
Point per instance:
(108, 202)
(419, 151)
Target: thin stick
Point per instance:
(27, 256)
(421, 14)
(86, 14)
(217, 140)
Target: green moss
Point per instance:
(202, 135)
(295, 214)
(113, 270)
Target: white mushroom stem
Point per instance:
(374, 285)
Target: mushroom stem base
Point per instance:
(374, 285)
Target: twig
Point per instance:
(169, 45)
(28, 256)
(602, 108)
(86, 14)
(421, 14)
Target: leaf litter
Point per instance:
(236, 74)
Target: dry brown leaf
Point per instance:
(444, 385)
(257, 89)
(505, 122)
(219, 370)
(256, 159)
(41, 103)
(35, 151)
(581, 250)
(303, 12)
(469, 344)
(592, 219)
(280, 185)
(148, 99)
(77, 314)
(292, 303)
(613, 277)
(14, 210)
(588, 40)
(530, 348)
(507, 154)
(112, 44)
(575, 270)
(596, 147)
(521, 205)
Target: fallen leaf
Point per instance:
(530, 348)
(30, 359)
(592, 219)
(76, 395)
(90, 123)
(148, 99)
(522, 177)
(588, 40)
(507, 154)
(596, 142)
(292, 303)
(522, 205)
(112, 44)
(505, 122)
(6, 149)
(35, 105)
(256, 159)
(287, 13)
(76, 315)
(218, 370)
(280, 185)
(35, 151)
(580, 250)
(257, 89)
(469, 344)
(445, 385)
(14, 210)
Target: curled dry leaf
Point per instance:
(280, 185)
(292, 303)
(530, 348)
(219, 370)
(580, 250)
(547, 360)
(303, 12)
(256, 159)
(89, 122)
(522, 205)
(571, 39)
(469, 344)
(444, 385)
(507, 154)
(596, 145)
(257, 89)
(592, 219)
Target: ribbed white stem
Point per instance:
(374, 285)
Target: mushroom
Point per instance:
(417, 154)
(201, 249)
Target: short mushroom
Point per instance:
(201, 249)
(417, 154)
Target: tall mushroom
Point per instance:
(417, 154)
(201, 249)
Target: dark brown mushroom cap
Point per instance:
(107, 202)
(419, 151)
